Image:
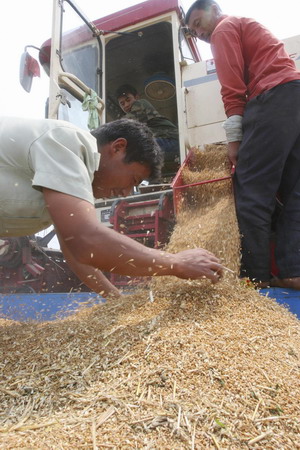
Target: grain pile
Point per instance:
(202, 366)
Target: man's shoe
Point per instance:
(287, 283)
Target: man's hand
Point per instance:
(197, 263)
(232, 153)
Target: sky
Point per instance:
(24, 22)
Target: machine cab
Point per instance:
(145, 45)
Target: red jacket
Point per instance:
(249, 60)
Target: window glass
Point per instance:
(79, 49)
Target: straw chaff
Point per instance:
(201, 366)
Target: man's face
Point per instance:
(202, 23)
(115, 177)
(126, 101)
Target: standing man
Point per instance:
(51, 172)
(260, 87)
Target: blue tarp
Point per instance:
(42, 307)
(288, 297)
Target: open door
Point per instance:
(73, 58)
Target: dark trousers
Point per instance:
(269, 165)
(170, 148)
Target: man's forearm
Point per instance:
(92, 244)
(120, 254)
(93, 278)
(96, 280)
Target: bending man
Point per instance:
(50, 173)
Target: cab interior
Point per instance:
(144, 59)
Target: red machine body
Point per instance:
(28, 267)
(147, 221)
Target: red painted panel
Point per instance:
(137, 13)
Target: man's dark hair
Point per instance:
(141, 144)
(199, 4)
(124, 90)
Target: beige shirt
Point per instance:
(41, 153)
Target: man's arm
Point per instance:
(234, 136)
(232, 152)
(228, 54)
(90, 276)
(92, 244)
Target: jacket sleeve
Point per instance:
(142, 111)
(228, 53)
